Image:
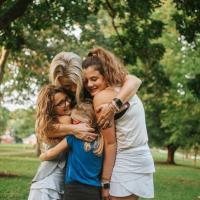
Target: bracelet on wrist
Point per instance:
(113, 107)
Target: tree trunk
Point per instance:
(3, 58)
(170, 156)
(196, 149)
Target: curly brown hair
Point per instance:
(107, 64)
(45, 112)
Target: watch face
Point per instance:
(106, 185)
(118, 102)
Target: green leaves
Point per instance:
(187, 18)
(141, 32)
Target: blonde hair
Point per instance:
(45, 114)
(67, 65)
(85, 110)
(107, 64)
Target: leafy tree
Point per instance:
(22, 122)
(176, 125)
(22, 19)
(142, 33)
(187, 18)
(4, 116)
(181, 127)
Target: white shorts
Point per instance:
(128, 183)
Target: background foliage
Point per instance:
(158, 40)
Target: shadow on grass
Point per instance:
(14, 175)
(8, 175)
(175, 164)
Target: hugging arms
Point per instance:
(105, 112)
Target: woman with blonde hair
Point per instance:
(66, 71)
(129, 175)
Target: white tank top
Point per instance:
(131, 129)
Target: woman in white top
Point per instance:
(130, 174)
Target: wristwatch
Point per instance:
(118, 103)
(105, 185)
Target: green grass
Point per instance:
(179, 182)
(24, 165)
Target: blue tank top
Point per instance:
(84, 167)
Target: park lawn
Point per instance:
(179, 182)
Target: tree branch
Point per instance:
(112, 14)
(2, 1)
(16, 11)
(4, 56)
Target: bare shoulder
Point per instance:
(64, 119)
(103, 97)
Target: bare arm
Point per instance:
(55, 151)
(109, 152)
(129, 89)
(80, 131)
(56, 130)
(109, 139)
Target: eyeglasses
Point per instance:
(62, 103)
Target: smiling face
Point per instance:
(62, 104)
(94, 80)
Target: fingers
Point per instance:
(101, 120)
(103, 110)
(107, 113)
(106, 124)
(86, 133)
(101, 117)
(110, 124)
(90, 137)
(90, 130)
(99, 108)
(86, 128)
